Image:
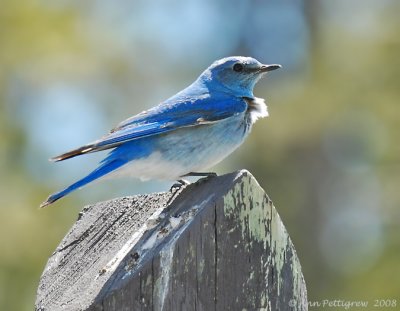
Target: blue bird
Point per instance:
(188, 133)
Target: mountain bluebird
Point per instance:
(188, 133)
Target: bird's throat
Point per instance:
(256, 107)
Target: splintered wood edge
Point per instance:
(160, 227)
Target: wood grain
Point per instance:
(218, 244)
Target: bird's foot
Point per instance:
(207, 174)
(179, 184)
(176, 189)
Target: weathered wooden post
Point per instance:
(218, 244)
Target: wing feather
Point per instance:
(165, 118)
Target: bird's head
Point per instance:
(238, 74)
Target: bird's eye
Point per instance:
(238, 67)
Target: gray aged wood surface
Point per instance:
(218, 245)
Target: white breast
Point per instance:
(257, 108)
(190, 149)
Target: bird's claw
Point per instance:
(207, 174)
(176, 189)
(179, 184)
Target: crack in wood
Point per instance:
(225, 249)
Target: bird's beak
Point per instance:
(266, 68)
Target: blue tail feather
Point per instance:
(102, 170)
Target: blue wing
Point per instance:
(166, 117)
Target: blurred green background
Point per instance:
(328, 155)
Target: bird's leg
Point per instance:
(207, 176)
(176, 189)
(183, 183)
(194, 174)
(180, 183)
